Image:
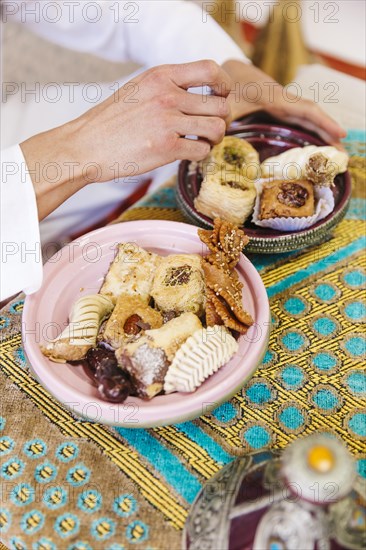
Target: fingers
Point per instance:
(190, 149)
(202, 73)
(309, 125)
(204, 105)
(311, 112)
(211, 128)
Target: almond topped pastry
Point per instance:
(129, 317)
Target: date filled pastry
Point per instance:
(131, 272)
(233, 154)
(317, 164)
(230, 197)
(148, 358)
(287, 199)
(179, 285)
(130, 316)
(80, 335)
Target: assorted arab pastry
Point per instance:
(320, 165)
(80, 335)
(285, 199)
(131, 272)
(178, 284)
(159, 324)
(233, 154)
(229, 196)
(227, 190)
(287, 192)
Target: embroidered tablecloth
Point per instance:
(72, 484)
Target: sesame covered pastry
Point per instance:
(228, 196)
(201, 355)
(224, 293)
(225, 242)
(147, 359)
(233, 154)
(317, 164)
(223, 288)
(178, 284)
(285, 199)
(129, 317)
(80, 335)
(131, 272)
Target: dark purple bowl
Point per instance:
(269, 140)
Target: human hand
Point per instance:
(139, 128)
(144, 124)
(253, 90)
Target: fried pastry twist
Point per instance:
(224, 290)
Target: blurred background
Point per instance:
(330, 32)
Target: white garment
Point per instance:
(148, 32)
(21, 261)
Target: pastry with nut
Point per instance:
(178, 284)
(320, 165)
(130, 316)
(285, 199)
(231, 155)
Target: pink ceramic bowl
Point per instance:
(79, 269)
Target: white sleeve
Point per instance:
(177, 32)
(21, 259)
(150, 32)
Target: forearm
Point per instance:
(120, 134)
(54, 167)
